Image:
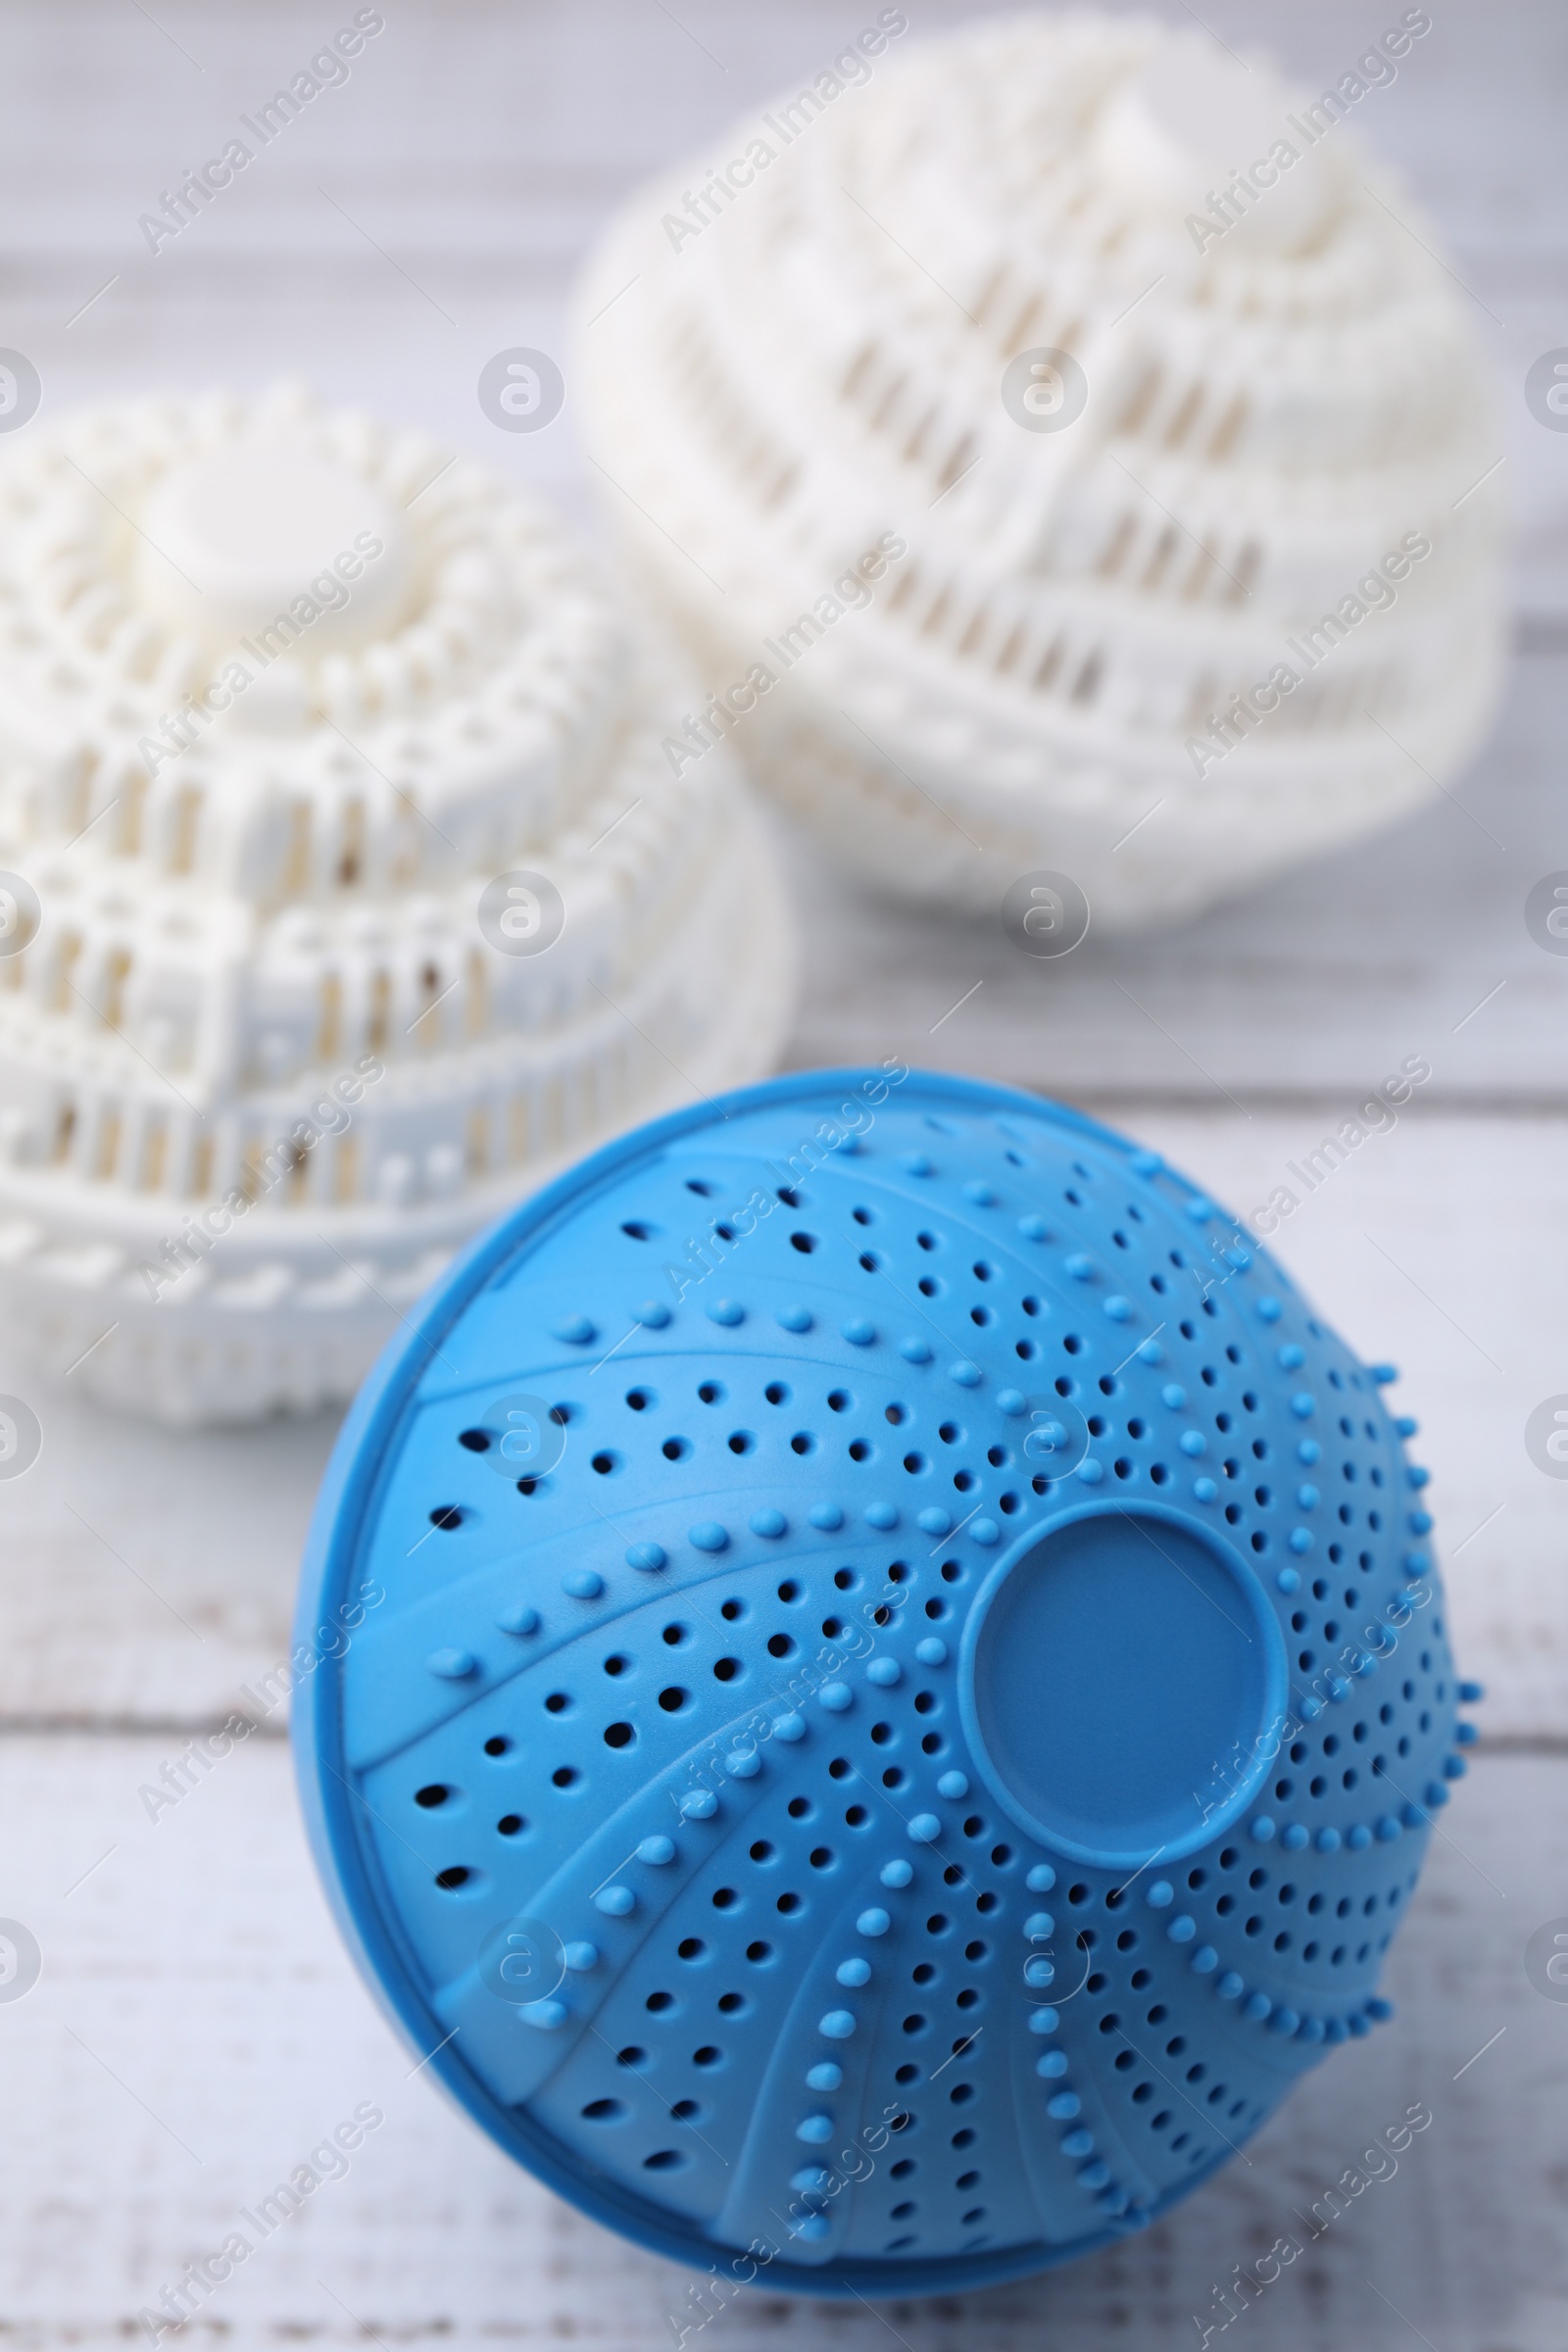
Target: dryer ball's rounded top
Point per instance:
(930, 1740)
(1180, 119)
(232, 538)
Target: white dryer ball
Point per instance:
(346, 895)
(1178, 428)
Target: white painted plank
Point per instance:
(145, 1575)
(197, 2030)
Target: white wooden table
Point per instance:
(197, 2029)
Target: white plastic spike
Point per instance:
(281, 692)
(1281, 476)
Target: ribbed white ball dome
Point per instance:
(281, 692)
(802, 343)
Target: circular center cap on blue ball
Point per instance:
(1122, 1687)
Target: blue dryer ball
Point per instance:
(877, 1698)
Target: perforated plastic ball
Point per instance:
(879, 1684)
(345, 890)
(1009, 507)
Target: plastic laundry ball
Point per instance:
(1061, 448)
(848, 1633)
(344, 895)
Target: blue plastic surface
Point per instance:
(876, 1686)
